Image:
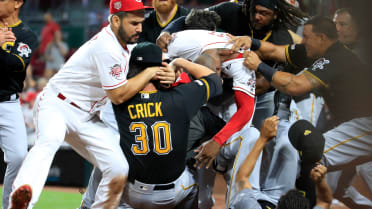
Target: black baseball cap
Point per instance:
(308, 140)
(147, 53)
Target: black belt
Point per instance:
(157, 186)
(4, 98)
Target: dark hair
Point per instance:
(136, 68)
(323, 25)
(287, 15)
(202, 19)
(293, 200)
(121, 15)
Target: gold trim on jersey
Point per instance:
(207, 86)
(318, 79)
(348, 140)
(288, 57)
(148, 92)
(188, 187)
(168, 21)
(14, 25)
(234, 167)
(266, 37)
(23, 62)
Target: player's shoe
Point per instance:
(21, 197)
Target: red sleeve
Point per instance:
(245, 104)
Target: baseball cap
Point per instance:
(125, 6)
(308, 140)
(244, 200)
(146, 53)
(270, 4)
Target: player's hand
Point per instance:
(163, 40)
(269, 128)
(207, 152)
(6, 35)
(251, 60)
(167, 76)
(318, 173)
(240, 42)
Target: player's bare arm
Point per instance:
(207, 152)
(323, 192)
(268, 131)
(265, 50)
(291, 84)
(194, 69)
(133, 86)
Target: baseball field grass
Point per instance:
(51, 199)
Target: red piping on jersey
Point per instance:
(96, 103)
(109, 32)
(240, 55)
(245, 104)
(115, 84)
(224, 42)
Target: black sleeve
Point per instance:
(198, 92)
(18, 56)
(176, 25)
(296, 56)
(322, 70)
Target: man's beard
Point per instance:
(124, 37)
(161, 7)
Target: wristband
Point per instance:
(266, 71)
(255, 45)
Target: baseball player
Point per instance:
(349, 140)
(68, 106)
(17, 43)
(153, 128)
(248, 198)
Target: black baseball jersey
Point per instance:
(346, 85)
(14, 59)
(151, 27)
(154, 128)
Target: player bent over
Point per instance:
(153, 128)
(67, 108)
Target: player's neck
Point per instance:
(164, 18)
(11, 20)
(149, 87)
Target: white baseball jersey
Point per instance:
(190, 44)
(93, 69)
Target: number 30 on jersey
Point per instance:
(161, 135)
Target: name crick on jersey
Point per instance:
(145, 110)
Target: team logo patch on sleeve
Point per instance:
(199, 82)
(320, 63)
(23, 49)
(116, 72)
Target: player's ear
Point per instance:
(115, 21)
(18, 4)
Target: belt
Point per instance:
(157, 186)
(67, 100)
(11, 97)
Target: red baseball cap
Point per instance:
(125, 6)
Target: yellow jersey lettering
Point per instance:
(151, 114)
(139, 110)
(158, 109)
(145, 110)
(130, 107)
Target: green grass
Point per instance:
(56, 200)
